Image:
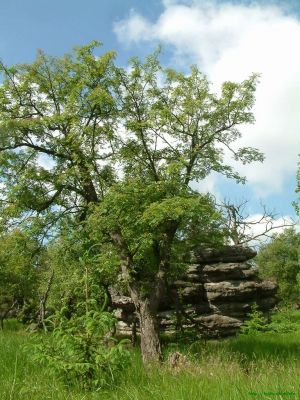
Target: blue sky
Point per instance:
(228, 40)
(57, 25)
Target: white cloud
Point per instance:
(207, 185)
(133, 29)
(229, 42)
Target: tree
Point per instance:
(124, 146)
(19, 272)
(174, 133)
(279, 260)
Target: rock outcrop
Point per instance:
(214, 295)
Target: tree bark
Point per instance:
(133, 332)
(150, 341)
(43, 302)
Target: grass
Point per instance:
(265, 366)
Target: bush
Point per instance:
(256, 323)
(284, 321)
(281, 322)
(81, 348)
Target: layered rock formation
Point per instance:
(214, 296)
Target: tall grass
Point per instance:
(246, 367)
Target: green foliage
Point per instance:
(279, 261)
(144, 213)
(66, 113)
(256, 323)
(285, 321)
(50, 113)
(20, 266)
(281, 322)
(63, 256)
(82, 348)
(177, 127)
(82, 351)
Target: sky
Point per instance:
(228, 40)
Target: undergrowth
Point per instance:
(262, 366)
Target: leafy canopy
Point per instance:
(82, 137)
(71, 127)
(142, 215)
(279, 260)
(57, 118)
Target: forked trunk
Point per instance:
(147, 306)
(150, 342)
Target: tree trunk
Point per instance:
(150, 342)
(146, 309)
(147, 305)
(43, 303)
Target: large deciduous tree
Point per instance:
(124, 146)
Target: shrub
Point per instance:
(284, 321)
(256, 322)
(82, 350)
(81, 347)
(281, 322)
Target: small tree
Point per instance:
(256, 323)
(82, 348)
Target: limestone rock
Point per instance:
(224, 271)
(224, 254)
(231, 290)
(189, 292)
(214, 295)
(120, 301)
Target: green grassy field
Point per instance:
(266, 366)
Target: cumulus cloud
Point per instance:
(229, 42)
(133, 29)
